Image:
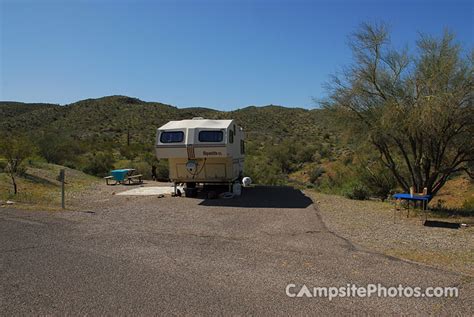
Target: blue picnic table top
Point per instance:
(407, 196)
(120, 174)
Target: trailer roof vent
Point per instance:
(198, 118)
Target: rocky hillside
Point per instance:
(111, 118)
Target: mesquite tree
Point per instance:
(15, 150)
(416, 109)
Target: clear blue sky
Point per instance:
(219, 54)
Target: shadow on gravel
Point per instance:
(264, 197)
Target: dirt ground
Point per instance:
(378, 226)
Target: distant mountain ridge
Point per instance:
(111, 116)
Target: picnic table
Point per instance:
(124, 175)
(425, 199)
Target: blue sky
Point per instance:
(218, 54)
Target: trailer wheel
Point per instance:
(190, 190)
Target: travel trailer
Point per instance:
(202, 151)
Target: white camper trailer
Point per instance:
(202, 151)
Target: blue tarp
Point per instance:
(119, 175)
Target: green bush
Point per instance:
(378, 180)
(128, 152)
(281, 157)
(325, 152)
(98, 164)
(263, 172)
(162, 170)
(142, 168)
(358, 180)
(3, 165)
(356, 191)
(36, 161)
(59, 149)
(304, 153)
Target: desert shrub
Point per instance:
(162, 170)
(315, 174)
(149, 156)
(128, 152)
(289, 155)
(142, 168)
(59, 149)
(98, 164)
(304, 153)
(3, 165)
(337, 175)
(378, 180)
(263, 172)
(316, 157)
(358, 180)
(325, 152)
(36, 161)
(355, 191)
(280, 156)
(468, 204)
(16, 150)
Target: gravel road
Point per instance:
(149, 255)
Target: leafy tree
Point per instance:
(15, 150)
(415, 110)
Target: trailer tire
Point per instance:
(190, 192)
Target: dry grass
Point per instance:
(455, 193)
(372, 225)
(40, 188)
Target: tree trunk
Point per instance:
(15, 189)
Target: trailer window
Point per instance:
(172, 137)
(211, 136)
(242, 147)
